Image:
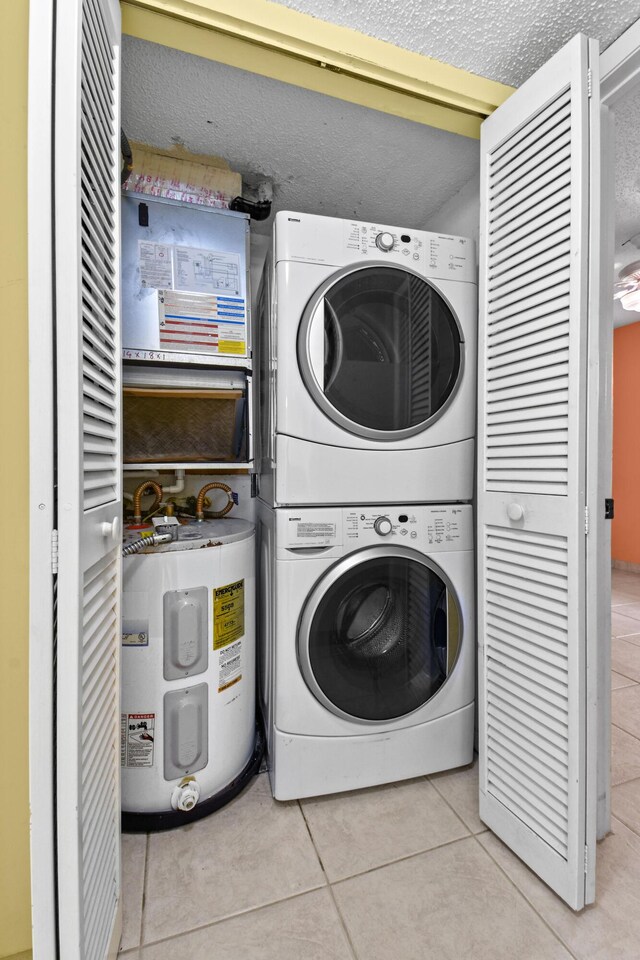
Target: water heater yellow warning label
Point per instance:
(228, 614)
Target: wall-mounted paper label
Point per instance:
(206, 271)
(201, 322)
(137, 736)
(156, 264)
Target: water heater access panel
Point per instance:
(185, 283)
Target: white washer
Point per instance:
(367, 364)
(367, 644)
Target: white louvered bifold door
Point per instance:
(86, 214)
(534, 316)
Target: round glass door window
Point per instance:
(379, 349)
(380, 637)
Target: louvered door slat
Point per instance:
(529, 255)
(531, 470)
(553, 113)
(533, 226)
(546, 147)
(87, 139)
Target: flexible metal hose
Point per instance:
(145, 542)
(215, 485)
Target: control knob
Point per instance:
(382, 526)
(384, 241)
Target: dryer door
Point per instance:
(380, 351)
(379, 635)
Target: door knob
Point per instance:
(111, 530)
(515, 511)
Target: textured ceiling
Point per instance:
(322, 155)
(503, 40)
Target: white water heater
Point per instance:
(188, 740)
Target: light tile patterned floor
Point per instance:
(400, 872)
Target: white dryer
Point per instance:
(367, 364)
(367, 644)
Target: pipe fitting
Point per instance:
(185, 796)
(138, 493)
(215, 485)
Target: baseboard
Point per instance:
(625, 565)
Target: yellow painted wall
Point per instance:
(15, 910)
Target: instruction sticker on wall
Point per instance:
(206, 271)
(137, 736)
(155, 264)
(202, 322)
(228, 614)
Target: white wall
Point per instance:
(461, 214)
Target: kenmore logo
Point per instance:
(291, 519)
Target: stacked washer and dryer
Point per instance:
(368, 405)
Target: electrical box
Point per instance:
(185, 283)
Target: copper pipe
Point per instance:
(137, 498)
(215, 485)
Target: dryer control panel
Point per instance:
(431, 254)
(313, 239)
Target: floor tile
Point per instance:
(252, 852)
(452, 903)
(460, 789)
(625, 804)
(625, 658)
(625, 709)
(629, 609)
(608, 929)
(362, 829)
(617, 680)
(622, 626)
(305, 927)
(133, 852)
(631, 638)
(620, 596)
(625, 756)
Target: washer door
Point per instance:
(380, 351)
(380, 634)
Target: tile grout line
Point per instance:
(343, 924)
(526, 899)
(452, 808)
(144, 888)
(231, 916)
(408, 856)
(617, 725)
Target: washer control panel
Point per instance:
(433, 528)
(334, 531)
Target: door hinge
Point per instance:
(586, 858)
(589, 82)
(54, 551)
(586, 520)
